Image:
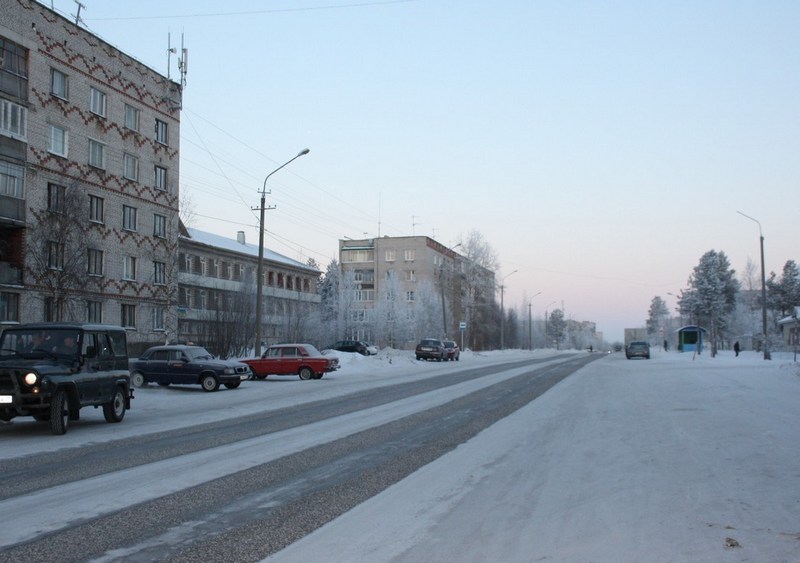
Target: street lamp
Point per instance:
(530, 337)
(545, 322)
(763, 289)
(502, 310)
(260, 267)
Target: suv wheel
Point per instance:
(209, 383)
(114, 410)
(59, 412)
(233, 384)
(305, 373)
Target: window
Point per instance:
(161, 131)
(410, 276)
(364, 295)
(13, 120)
(53, 309)
(9, 307)
(130, 167)
(59, 141)
(129, 268)
(358, 256)
(96, 209)
(391, 255)
(131, 118)
(159, 273)
(55, 255)
(129, 218)
(13, 58)
(97, 154)
(95, 266)
(158, 318)
(160, 178)
(59, 84)
(12, 180)
(97, 102)
(409, 255)
(159, 226)
(128, 316)
(94, 312)
(409, 296)
(55, 198)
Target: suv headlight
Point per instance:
(228, 371)
(31, 379)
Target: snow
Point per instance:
(671, 459)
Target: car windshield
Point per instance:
(29, 342)
(199, 354)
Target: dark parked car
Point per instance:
(303, 360)
(186, 365)
(351, 346)
(431, 349)
(51, 370)
(638, 349)
(453, 351)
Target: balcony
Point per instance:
(10, 274)
(12, 209)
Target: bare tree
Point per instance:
(57, 256)
(477, 288)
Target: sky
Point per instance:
(600, 148)
(703, 449)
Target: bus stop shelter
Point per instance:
(690, 338)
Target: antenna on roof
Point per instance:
(78, 19)
(183, 63)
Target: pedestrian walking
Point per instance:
(736, 348)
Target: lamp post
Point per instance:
(502, 310)
(545, 322)
(763, 289)
(530, 323)
(260, 266)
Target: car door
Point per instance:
(181, 368)
(156, 368)
(290, 360)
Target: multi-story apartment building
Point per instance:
(217, 288)
(396, 290)
(88, 177)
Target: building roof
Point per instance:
(233, 245)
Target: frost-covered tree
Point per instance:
(556, 327)
(711, 295)
(783, 293)
(478, 289)
(657, 316)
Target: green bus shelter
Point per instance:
(690, 338)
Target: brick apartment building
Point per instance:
(88, 178)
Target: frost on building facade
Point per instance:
(88, 178)
(217, 288)
(396, 290)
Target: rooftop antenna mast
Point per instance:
(183, 63)
(414, 225)
(78, 19)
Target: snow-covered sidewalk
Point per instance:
(673, 459)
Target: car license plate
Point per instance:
(6, 399)
(243, 377)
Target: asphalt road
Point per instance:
(85, 500)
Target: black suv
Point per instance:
(51, 370)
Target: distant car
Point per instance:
(303, 360)
(431, 349)
(371, 349)
(186, 365)
(453, 351)
(638, 349)
(351, 346)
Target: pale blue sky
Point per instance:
(600, 147)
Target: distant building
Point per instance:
(88, 177)
(217, 286)
(400, 289)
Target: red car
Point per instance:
(293, 359)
